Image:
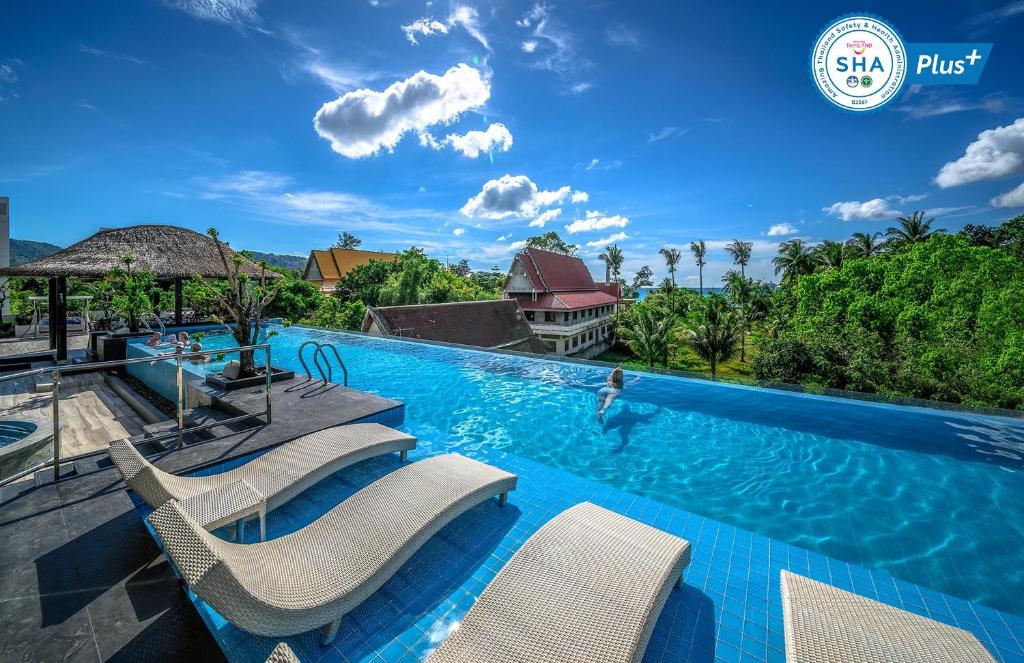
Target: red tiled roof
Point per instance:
(613, 289)
(555, 272)
(486, 324)
(565, 301)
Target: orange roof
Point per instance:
(335, 263)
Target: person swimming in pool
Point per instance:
(607, 394)
(154, 340)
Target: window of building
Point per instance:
(549, 316)
(566, 319)
(529, 315)
(575, 341)
(590, 336)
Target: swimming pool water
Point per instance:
(13, 431)
(931, 497)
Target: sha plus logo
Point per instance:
(859, 63)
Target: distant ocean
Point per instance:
(644, 291)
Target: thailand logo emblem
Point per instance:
(859, 63)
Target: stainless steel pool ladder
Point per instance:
(326, 373)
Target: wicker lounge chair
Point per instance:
(282, 654)
(825, 623)
(264, 483)
(587, 586)
(314, 576)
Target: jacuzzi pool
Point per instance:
(13, 431)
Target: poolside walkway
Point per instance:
(80, 577)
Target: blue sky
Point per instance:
(454, 126)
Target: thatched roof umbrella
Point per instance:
(169, 252)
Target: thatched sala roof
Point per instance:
(167, 251)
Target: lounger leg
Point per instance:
(330, 631)
(240, 530)
(263, 525)
(503, 499)
(403, 455)
(679, 581)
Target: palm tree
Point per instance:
(740, 252)
(794, 260)
(864, 245)
(830, 254)
(912, 229)
(699, 251)
(672, 257)
(648, 333)
(740, 290)
(612, 258)
(714, 339)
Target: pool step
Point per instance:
(199, 416)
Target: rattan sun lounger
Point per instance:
(827, 624)
(587, 586)
(312, 577)
(264, 483)
(282, 654)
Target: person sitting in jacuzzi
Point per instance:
(200, 359)
(154, 340)
(183, 338)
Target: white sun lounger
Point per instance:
(827, 624)
(588, 586)
(313, 577)
(264, 483)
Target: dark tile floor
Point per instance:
(82, 580)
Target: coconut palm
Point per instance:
(830, 254)
(672, 257)
(612, 258)
(794, 260)
(740, 290)
(740, 252)
(715, 338)
(699, 251)
(912, 229)
(648, 333)
(864, 245)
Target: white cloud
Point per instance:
(462, 16)
(502, 238)
(236, 13)
(597, 164)
(425, 27)
(580, 87)
(996, 153)
(912, 198)
(919, 102)
(364, 122)
(8, 74)
(579, 197)
(872, 210)
(1012, 198)
(595, 220)
(621, 35)
(89, 50)
(458, 232)
(474, 143)
(544, 217)
(611, 239)
(667, 133)
(528, 46)
(782, 229)
(513, 195)
(553, 45)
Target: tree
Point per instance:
(642, 279)
(365, 282)
(347, 240)
(830, 254)
(647, 332)
(794, 260)
(134, 288)
(332, 313)
(740, 252)
(551, 241)
(295, 297)
(1008, 236)
(714, 339)
(672, 257)
(612, 258)
(864, 245)
(460, 268)
(699, 252)
(912, 229)
(740, 291)
(245, 301)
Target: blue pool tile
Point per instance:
(728, 610)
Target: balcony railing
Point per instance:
(568, 328)
(180, 430)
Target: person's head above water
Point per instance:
(197, 347)
(154, 338)
(183, 337)
(617, 378)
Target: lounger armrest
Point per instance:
(184, 541)
(127, 459)
(224, 504)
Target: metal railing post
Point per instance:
(56, 424)
(267, 369)
(181, 403)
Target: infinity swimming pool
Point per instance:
(930, 497)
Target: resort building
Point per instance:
(498, 324)
(565, 307)
(326, 267)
